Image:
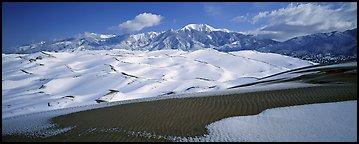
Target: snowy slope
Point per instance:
(326, 122)
(202, 28)
(53, 80)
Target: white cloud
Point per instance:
(302, 19)
(240, 19)
(141, 21)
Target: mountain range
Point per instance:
(320, 47)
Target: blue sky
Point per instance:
(24, 23)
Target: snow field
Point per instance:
(45, 81)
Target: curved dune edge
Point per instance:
(184, 117)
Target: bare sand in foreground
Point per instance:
(182, 117)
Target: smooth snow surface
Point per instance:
(45, 81)
(315, 122)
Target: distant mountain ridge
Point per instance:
(320, 47)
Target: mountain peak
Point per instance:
(202, 27)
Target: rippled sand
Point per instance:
(183, 117)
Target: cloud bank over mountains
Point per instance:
(303, 19)
(296, 19)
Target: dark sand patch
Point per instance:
(183, 117)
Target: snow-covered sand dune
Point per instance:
(327, 122)
(184, 117)
(53, 80)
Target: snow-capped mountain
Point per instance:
(202, 28)
(190, 37)
(321, 47)
(193, 37)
